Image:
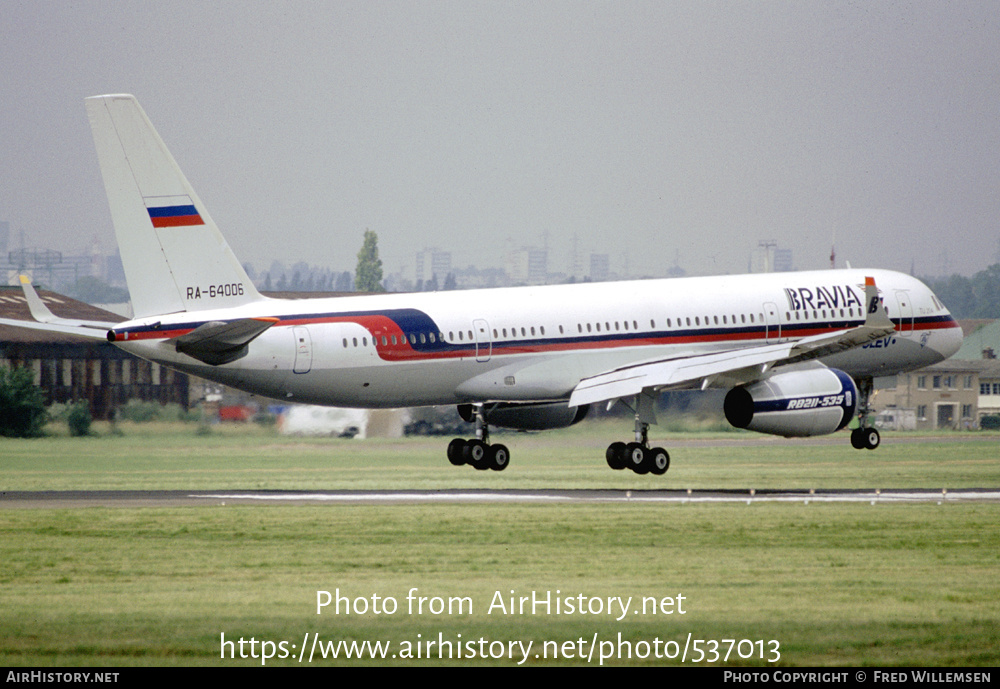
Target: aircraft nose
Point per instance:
(950, 340)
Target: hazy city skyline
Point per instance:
(655, 133)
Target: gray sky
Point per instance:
(651, 131)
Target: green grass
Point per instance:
(834, 584)
(174, 456)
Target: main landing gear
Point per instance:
(638, 455)
(478, 452)
(865, 436)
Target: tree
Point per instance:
(22, 405)
(345, 282)
(368, 276)
(975, 297)
(79, 419)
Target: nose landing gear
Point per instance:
(865, 437)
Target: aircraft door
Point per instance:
(303, 349)
(772, 326)
(905, 313)
(484, 343)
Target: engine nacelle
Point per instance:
(540, 416)
(794, 404)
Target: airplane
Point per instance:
(797, 352)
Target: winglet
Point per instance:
(39, 311)
(876, 316)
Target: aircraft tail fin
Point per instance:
(174, 256)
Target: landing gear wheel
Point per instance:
(456, 452)
(616, 456)
(659, 460)
(476, 452)
(865, 438)
(499, 457)
(636, 458)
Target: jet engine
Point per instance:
(794, 404)
(539, 416)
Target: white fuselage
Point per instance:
(538, 343)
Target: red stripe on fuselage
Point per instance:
(401, 350)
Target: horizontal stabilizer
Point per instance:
(219, 342)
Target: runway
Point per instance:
(169, 498)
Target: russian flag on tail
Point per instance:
(172, 211)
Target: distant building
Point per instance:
(527, 266)
(600, 267)
(768, 258)
(431, 262)
(783, 260)
(943, 396)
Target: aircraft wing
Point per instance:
(41, 313)
(89, 332)
(219, 342)
(47, 321)
(730, 367)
